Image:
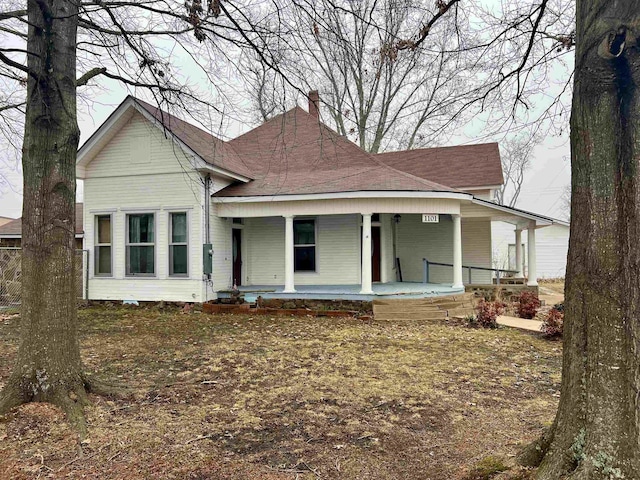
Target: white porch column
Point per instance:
(531, 250)
(289, 286)
(366, 255)
(520, 273)
(457, 252)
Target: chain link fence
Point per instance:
(11, 278)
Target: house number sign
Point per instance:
(430, 218)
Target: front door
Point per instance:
(376, 257)
(375, 254)
(237, 256)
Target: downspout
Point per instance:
(207, 204)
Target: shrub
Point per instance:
(559, 307)
(528, 304)
(487, 313)
(553, 324)
(471, 321)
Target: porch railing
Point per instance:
(426, 267)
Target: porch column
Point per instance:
(531, 250)
(520, 273)
(457, 252)
(366, 255)
(289, 286)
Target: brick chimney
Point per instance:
(314, 103)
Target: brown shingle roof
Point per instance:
(211, 149)
(460, 167)
(14, 227)
(294, 153)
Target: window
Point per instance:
(178, 245)
(103, 245)
(141, 244)
(304, 243)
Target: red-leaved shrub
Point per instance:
(528, 304)
(552, 325)
(487, 313)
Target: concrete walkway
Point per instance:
(532, 325)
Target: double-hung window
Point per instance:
(141, 244)
(304, 242)
(178, 245)
(103, 266)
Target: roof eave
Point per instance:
(541, 220)
(344, 195)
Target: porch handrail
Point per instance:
(426, 263)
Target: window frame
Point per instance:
(171, 243)
(127, 266)
(314, 244)
(97, 245)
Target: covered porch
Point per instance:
(314, 248)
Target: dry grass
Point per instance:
(241, 397)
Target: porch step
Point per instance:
(410, 316)
(461, 312)
(420, 309)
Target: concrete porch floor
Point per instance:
(346, 292)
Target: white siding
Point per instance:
(337, 251)
(552, 245)
(388, 273)
(488, 194)
(434, 241)
(121, 180)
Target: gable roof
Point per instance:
(460, 166)
(208, 149)
(211, 149)
(13, 229)
(294, 153)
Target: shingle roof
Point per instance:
(211, 149)
(294, 153)
(461, 166)
(14, 227)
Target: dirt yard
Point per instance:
(241, 397)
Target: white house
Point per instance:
(173, 213)
(552, 246)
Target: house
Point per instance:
(5, 220)
(285, 210)
(552, 246)
(11, 232)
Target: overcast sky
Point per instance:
(541, 192)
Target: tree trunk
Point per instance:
(596, 431)
(48, 366)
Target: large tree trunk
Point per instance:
(48, 366)
(596, 432)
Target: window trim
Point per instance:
(171, 243)
(97, 245)
(127, 244)
(314, 245)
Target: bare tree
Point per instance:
(385, 89)
(596, 432)
(42, 47)
(516, 156)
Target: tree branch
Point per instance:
(94, 72)
(13, 14)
